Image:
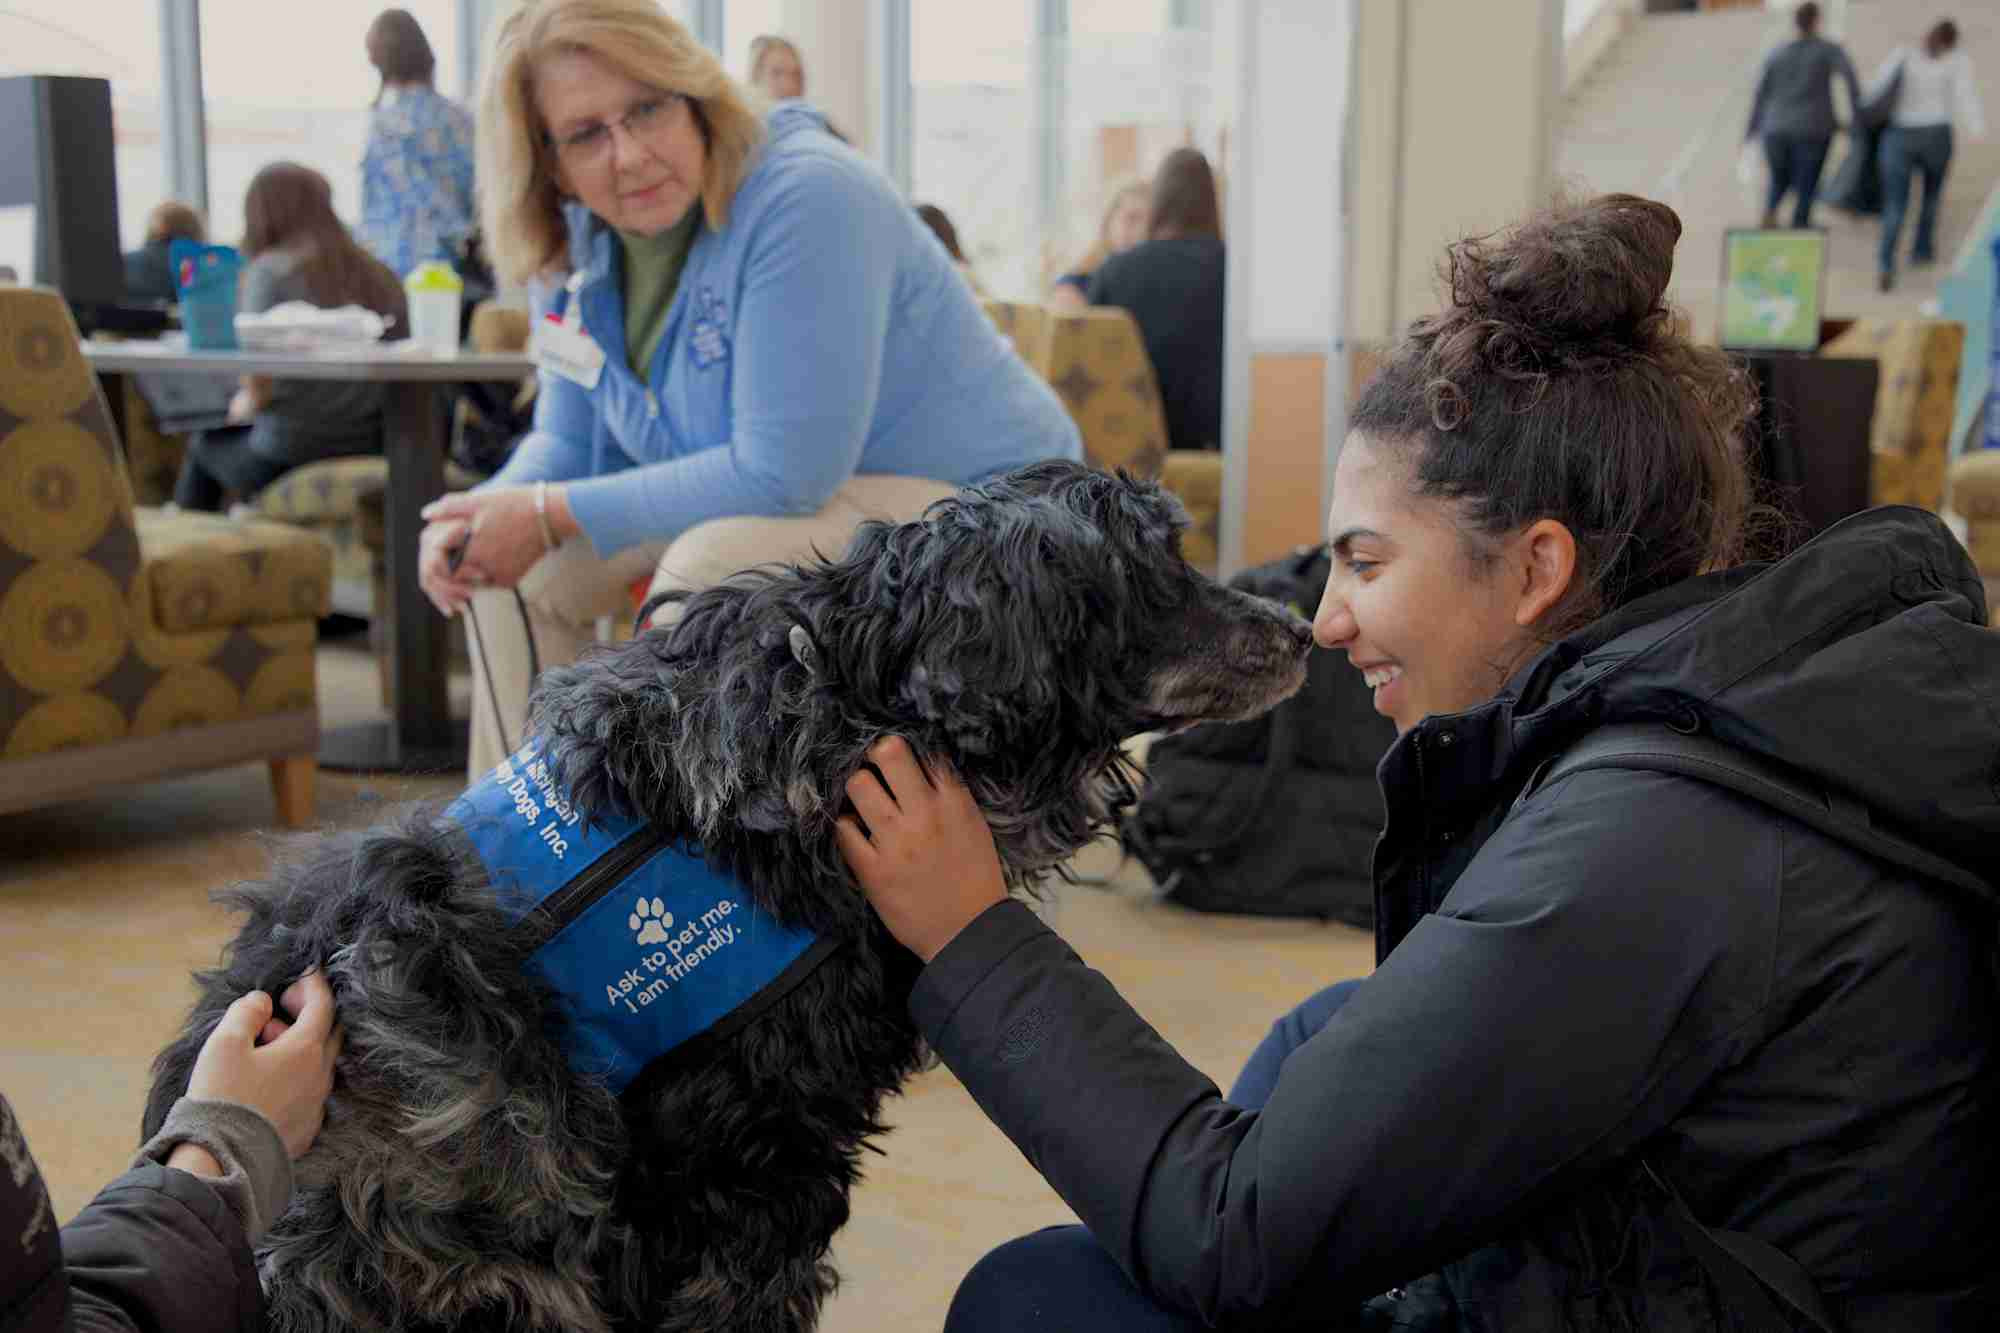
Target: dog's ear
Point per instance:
(803, 651)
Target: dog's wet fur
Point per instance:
(466, 1178)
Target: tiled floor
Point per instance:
(104, 911)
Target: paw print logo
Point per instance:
(651, 919)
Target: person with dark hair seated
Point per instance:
(1647, 1046)
(941, 227)
(1172, 284)
(299, 250)
(149, 270)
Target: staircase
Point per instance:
(1662, 114)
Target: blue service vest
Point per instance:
(651, 946)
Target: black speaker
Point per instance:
(56, 156)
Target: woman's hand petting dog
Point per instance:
(926, 860)
(283, 1071)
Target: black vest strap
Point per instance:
(1752, 1275)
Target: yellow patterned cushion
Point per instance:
(1026, 326)
(322, 492)
(152, 458)
(210, 572)
(1097, 365)
(84, 659)
(1915, 399)
(1195, 476)
(499, 328)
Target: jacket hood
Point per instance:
(1863, 661)
(792, 116)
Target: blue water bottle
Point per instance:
(206, 277)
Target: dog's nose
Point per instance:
(1301, 631)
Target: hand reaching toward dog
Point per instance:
(926, 860)
(281, 1070)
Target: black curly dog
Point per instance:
(466, 1176)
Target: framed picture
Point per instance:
(1772, 289)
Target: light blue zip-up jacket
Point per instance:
(822, 333)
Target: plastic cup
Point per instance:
(434, 291)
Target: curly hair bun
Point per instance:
(1576, 273)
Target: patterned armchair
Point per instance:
(1097, 363)
(1026, 326)
(1910, 438)
(134, 643)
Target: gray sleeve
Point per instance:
(257, 1171)
(267, 282)
(1757, 100)
(1846, 71)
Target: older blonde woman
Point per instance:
(1126, 213)
(748, 345)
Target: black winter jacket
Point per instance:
(1631, 967)
(157, 1249)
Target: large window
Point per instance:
(745, 20)
(972, 75)
(117, 40)
(291, 82)
(1029, 114)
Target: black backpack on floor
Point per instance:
(1276, 816)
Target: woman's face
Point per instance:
(1126, 226)
(781, 75)
(632, 153)
(1431, 629)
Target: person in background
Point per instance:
(1611, 1006)
(1172, 284)
(940, 224)
(416, 173)
(167, 1246)
(1938, 91)
(759, 346)
(1122, 227)
(149, 270)
(298, 250)
(1793, 112)
(776, 68)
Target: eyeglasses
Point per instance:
(645, 120)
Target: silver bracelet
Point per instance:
(542, 515)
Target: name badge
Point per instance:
(565, 350)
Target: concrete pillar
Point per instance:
(1453, 133)
(833, 35)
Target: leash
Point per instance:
(534, 662)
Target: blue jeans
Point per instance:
(1925, 151)
(1060, 1278)
(1795, 162)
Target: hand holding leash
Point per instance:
(441, 548)
(926, 860)
(510, 527)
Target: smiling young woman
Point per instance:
(1590, 992)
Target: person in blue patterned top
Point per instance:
(416, 174)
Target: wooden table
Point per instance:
(420, 735)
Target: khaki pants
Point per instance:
(570, 588)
